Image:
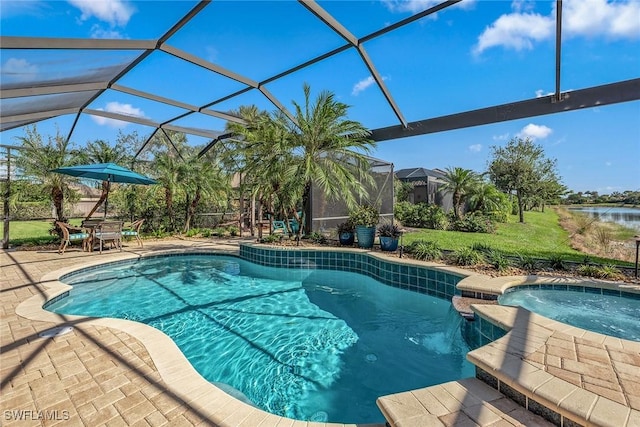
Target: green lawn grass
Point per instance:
(20, 231)
(540, 236)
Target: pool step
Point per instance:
(468, 402)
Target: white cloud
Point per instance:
(475, 148)
(415, 6)
(16, 69)
(535, 131)
(363, 85)
(523, 5)
(502, 137)
(517, 31)
(521, 29)
(97, 32)
(115, 12)
(590, 18)
(540, 93)
(116, 107)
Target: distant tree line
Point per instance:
(627, 197)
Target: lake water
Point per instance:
(629, 217)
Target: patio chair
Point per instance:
(108, 231)
(133, 230)
(279, 226)
(72, 233)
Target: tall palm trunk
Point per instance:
(58, 197)
(191, 209)
(106, 187)
(169, 205)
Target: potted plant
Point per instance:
(346, 233)
(389, 235)
(365, 219)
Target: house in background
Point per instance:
(427, 186)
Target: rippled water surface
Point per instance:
(609, 315)
(308, 344)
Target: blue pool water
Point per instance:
(316, 345)
(607, 314)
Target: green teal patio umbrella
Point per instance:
(109, 172)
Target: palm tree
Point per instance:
(460, 182)
(100, 151)
(328, 150)
(168, 170)
(203, 178)
(36, 159)
(486, 197)
(317, 146)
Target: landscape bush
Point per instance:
(474, 222)
(425, 250)
(466, 257)
(421, 215)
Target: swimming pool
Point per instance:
(603, 311)
(308, 344)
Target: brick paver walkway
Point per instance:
(92, 376)
(607, 371)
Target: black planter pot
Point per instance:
(346, 238)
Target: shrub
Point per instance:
(192, 232)
(466, 256)
(271, 238)
(25, 211)
(588, 270)
(405, 212)
(498, 260)
(318, 238)
(389, 230)
(557, 262)
(607, 272)
(481, 247)
(421, 215)
(425, 250)
(219, 231)
(610, 272)
(205, 232)
(474, 222)
(366, 215)
(233, 230)
(527, 263)
(345, 227)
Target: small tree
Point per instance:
(521, 167)
(38, 158)
(461, 183)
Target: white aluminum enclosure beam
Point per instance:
(40, 115)
(13, 42)
(153, 97)
(223, 116)
(186, 56)
(121, 117)
(332, 23)
(51, 90)
(192, 131)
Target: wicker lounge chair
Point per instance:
(72, 233)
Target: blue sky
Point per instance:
(472, 55)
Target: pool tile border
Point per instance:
(434, 280)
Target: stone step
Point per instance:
(468, 402)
